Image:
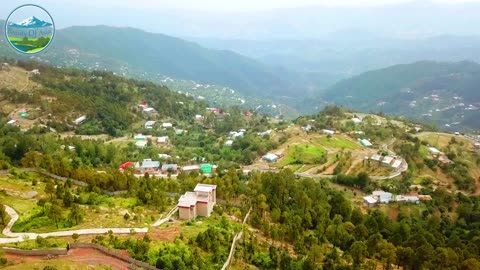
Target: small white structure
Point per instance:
(80, 120)
(409, 199)
(270, 157)
(376, 157)
(149, 110)
(434, 151)
(198, 117)
(150, 124)
(162, 140)
(164, 156)
(12, 122)
(35, 72)
(396, 164)
(141, 144)
(307, 128)
(328, 132)
(356, 120)
(229, 143)
(477, 145)
(457, 133)
(167, 125)
(268, 132)
(234, 134)
(387, 160)
(366, 143)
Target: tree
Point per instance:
(55, 213)
(76, 214)
(50, 188)
(75, 237)
(3, 214)
(358, 251)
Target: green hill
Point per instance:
(136, 52)
(445, 93)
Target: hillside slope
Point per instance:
(130, 50)
(446, 93)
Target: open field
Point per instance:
(442, 139)
(303, 154)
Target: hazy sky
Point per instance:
(255, 18)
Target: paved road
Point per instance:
(237, 237)
(20, 237)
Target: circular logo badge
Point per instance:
(29, 29)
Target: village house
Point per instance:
(396, 164)
(190, 168)
(12, 122)
(180, 132)
(328, 132)
(164, 156)
(149, 110)
(268, 132)
(125, 165)
(162, 140)
(477, 145)
(229, 143)
(271, 157)
(387, 160)
(141, 144)
(377, 158)
(434, 151)
(200, 202)
(80, 120)
(169, 168)
(167, 125)
(34, 72)
(150, 124)
(147, 166)
(378, 197)
(356, 120)
(366, 143)
(307, 128)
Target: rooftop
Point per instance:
(204, 188)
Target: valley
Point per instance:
(114, 178)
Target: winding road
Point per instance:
(20, 237)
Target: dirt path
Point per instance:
(20, 237)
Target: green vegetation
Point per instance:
(29, 45)
(305, 154)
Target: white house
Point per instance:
(376, 157)
(396, 164)
(164, 156)
(162, 140)
(356, 120)
(180, 131)
(167, 125)
(80, 120)
(307, 128)
(150, 124)
(328, 132)
(387, 160)
(270, 157)
(268, 132)
(229, 143)
(433, 151)
(149, 110)
(382, 196)
(12, 122)
(147, 165)
(141, 144)
(198, 117)
(409, 199)
(477, 145)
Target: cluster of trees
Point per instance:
(325, 230)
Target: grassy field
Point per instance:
(337, 142)
(303, 154)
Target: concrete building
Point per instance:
(270, 157)
(162, 140)
(80, 120)
(328, 132)
(150, 124)
(356, 120)
(170, 168)
(396, 164)
(198, 203)
(366, 143)
(433, 151)
(387, 160)
(147, 166)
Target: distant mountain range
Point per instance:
(31, 22)
(436, 92)
(139, 52)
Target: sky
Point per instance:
(259, 18)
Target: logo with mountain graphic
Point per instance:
(29, 29)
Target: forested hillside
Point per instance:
(442, 93)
